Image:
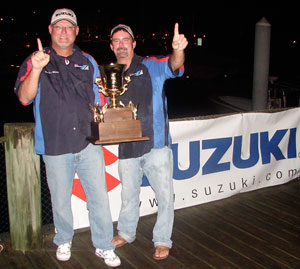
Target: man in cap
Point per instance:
(59, 80)
(151, 158)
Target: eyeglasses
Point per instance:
(60, 28)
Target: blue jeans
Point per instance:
(90, 167)
(157, 165)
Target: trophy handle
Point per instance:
(98, 82)
(127, 79)
(125, 85)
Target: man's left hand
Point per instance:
(179, 40)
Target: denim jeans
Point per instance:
(157, 165)
(90, 167)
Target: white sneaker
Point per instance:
(109, 256)
(63, 252)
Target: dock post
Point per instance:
(23, 186)
(261, 65)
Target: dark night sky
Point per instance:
(143, 18)
(229, 26)
(229, 30)
(227, 23)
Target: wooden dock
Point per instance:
(258, 229)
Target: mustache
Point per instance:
(121, 49)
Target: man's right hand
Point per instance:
(39, 58)
(29, 87)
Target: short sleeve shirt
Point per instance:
(146, 89)
(62, 105)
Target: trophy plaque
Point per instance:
(114, 123)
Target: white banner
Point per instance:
(214, 159)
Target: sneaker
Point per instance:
(63, 252)
(109, 256)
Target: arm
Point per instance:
(28, 88)
(179, 44)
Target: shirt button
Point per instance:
(74, 128)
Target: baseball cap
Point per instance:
(122, 27)
(64, 14)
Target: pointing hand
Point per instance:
(179, 40)
(40, 58)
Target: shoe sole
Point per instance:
(111, 265)
(62, 260)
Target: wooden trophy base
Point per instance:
(118, 126)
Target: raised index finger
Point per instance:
(40, 46)
(176, 29)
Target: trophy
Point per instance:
(115, 123)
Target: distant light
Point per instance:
(14, 66)
(199, 41)
(294, 41)
(27, 45)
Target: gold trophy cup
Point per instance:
(115, 123)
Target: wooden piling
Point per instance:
(23, 186)
(261, 65)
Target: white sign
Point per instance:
(214, 159)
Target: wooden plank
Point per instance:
(198, 250)
(269, 218)
(87, 258)
(245, 219)
(195, 231)
(292, 189)
(93, 261)
(50, 251)
(280, 205)
(178, 256)
(241, 241)
(244, 231)
(23, 186)
(14, 259)
(41, 260)
(230, 240)
(277, 215)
